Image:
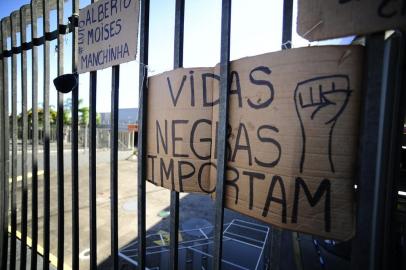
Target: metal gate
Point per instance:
(379, 151)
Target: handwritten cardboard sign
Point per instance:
(108, 31)
(292, 136)
(324, 19)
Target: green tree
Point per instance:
(67, 112)
(98, 119)
(40, 113)
(52, 115)
(84, 116)
(67, 115)
(83, 113)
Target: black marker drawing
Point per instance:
(321, 100)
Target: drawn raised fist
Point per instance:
(319, 103)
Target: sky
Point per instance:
(256, 28)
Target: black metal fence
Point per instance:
(379, 155)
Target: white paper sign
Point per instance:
(108, 31)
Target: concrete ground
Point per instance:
(158, 199)
(28, 264)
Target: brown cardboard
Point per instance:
(107, 35)
(294, 119)
(324, 19)
(162, 110)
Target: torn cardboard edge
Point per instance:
(321, 19)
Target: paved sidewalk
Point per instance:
(28, 264)
(196, 206)
(158, 199)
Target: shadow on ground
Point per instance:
(246, 243)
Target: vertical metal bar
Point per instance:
(297, 251)
(221, 135)
(92, 170)
(75, 179)
(14, 29)
(3, 182)
(114, 164)
(24, 17)
(378, 163)
(275, 250)
(34, 179)
(287, 24)
(142, 132)
(75, 157)
(60, 139)
(276, 237)
(390, 134)
(177, 62)
(396, 114)
(5, 144)
(364, 250)
(46, 27)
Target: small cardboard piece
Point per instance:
(292, 136)
(324, 19)
(108, 32)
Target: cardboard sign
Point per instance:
(292, 136)
(108, 31)
(324, 19)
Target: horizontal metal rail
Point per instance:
(63, 29)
